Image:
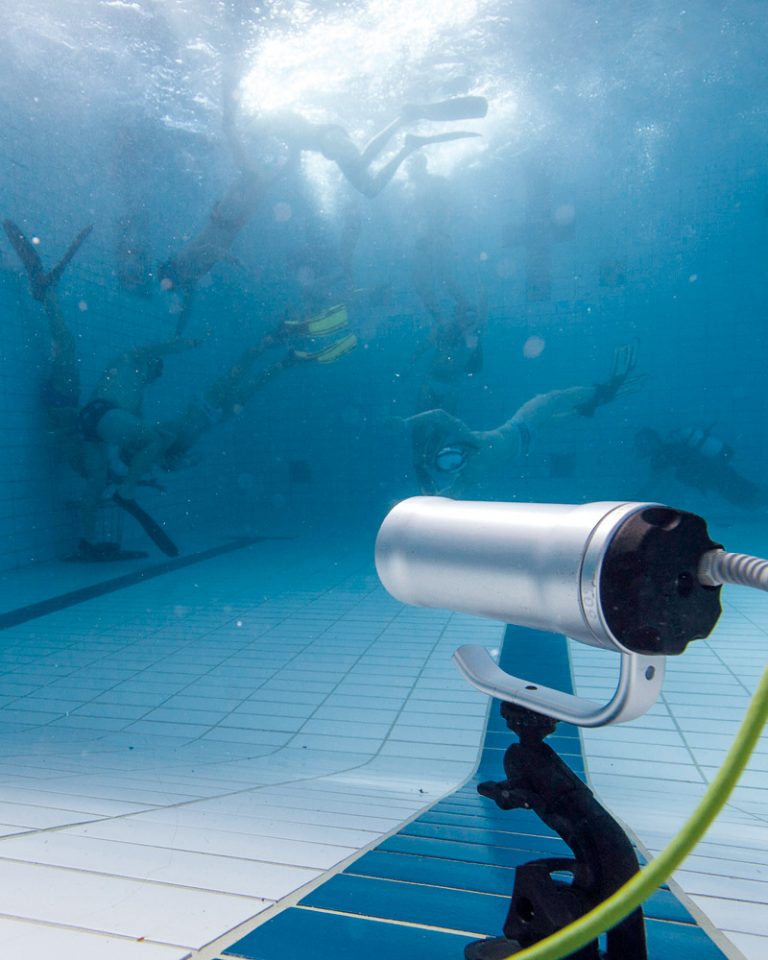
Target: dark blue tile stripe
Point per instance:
(453, 867)
(32, 611)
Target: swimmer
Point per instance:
(182, 272)
(60, 395)
(60, 390)
(335, 144)
(456, 324)
(227, 396)
(457, 355)
(699, 459)
(113, 417)
(450, 459)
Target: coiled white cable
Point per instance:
(717, 567)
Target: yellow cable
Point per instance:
(635, 891)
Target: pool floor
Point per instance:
(184, 758)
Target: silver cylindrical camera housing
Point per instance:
(531, 564)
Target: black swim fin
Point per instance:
(39, 280)
(28, 256)
(152, 529)
(455, 108)
(55, 274)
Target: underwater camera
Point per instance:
(622, 576)
(639, 579)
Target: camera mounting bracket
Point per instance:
(640, 681)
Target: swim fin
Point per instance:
(152, 529)
(333, 319)
(455, 108)
(61, 266)
(28, 256)
(331, 353)
(39, 280)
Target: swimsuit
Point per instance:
(90, 416)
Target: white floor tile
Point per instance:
(706, 694)
(308, 855)
(32, 941)
(285, 725)
(164, 913)
(248, 878)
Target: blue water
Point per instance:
(615, 194)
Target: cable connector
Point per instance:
(717, 567)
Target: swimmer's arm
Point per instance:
(556, 405)
(553, 408)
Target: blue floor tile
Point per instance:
(475, 853)
(299, 934)
(476, 913)
(453, 867)
(504, 821)
(477, 877)
(481, 878)
(483, 836)
(679, 941)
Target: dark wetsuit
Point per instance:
(693, 468)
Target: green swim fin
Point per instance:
(331, 353)
(333, 319)
(455, 108)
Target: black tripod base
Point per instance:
(495, 948)
(549, 894)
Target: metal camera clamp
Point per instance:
(539, 780)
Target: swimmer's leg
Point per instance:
(454, 108)
(184, 314)
(246, 388)
(64, 374)
(96, 467)
(374, 146)
(222, 396)
(240, 389)
(128, 432)
(381, 178)
(64, 377)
